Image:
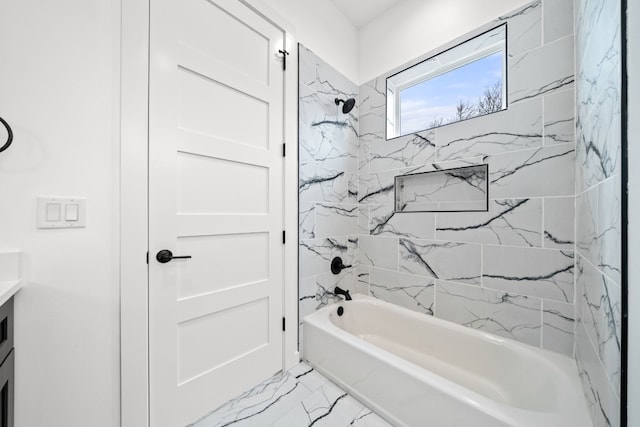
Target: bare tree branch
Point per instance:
(464, 110)
(491, 100)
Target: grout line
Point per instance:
(435, 297)
(587, 260)
(482, 266)
(542, 230)
(541, 323)
(465, 242)
(594, 186)
(544, 117)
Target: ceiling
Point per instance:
(361, 12)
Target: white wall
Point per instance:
(322, 28)
(633, 70)
(59, 89)
(415, 27)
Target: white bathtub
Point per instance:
(416, 370)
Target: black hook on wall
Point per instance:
(9, 137)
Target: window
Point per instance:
(466, 81)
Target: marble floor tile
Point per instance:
(298, 397)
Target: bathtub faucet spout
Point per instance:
(342, 292)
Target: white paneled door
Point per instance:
(215, 194)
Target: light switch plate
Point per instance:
(61, 212)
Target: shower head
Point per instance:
(348, 104)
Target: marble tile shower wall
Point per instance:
(328, 167)
(598, 208)
(509, 271)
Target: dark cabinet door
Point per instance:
(6, 391)
(6, 329)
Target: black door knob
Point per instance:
(166, 255)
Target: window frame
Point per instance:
(392, 91)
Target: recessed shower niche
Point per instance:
(463, 189)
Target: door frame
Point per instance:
(134, 135)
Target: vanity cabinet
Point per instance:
(7, 364)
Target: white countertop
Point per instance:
(8, 289)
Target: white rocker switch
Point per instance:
(71, 212)
(53, 212)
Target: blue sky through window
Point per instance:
(437, 98)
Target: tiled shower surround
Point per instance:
(508, 271)
(598, 219)
(513, 271)
(328, 184)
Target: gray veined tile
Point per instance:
(362, 279)
(544, 273)
(300, 396)
(406, 290)
(367, 418)
(377, 251)
(385, 222)
(524, 28)
(508, 221)
(559, 220)
(557, 18)
(307, 376)
(598, 221)
(441, 166)
(609, 230)
(546, 171)
(558, 322)
(307, 220)
(307, 297)
(376, 187)
(326, 136)
(329, 142)
(501, 313)
(528, 79)
(363, 156)
(318, 184)
(316, 254)
(372, 129)
(372, 94)
(336, 219)
(404, 151)
(260, 406)
(591, 16)
(457, 262)
(327, 406)
(559, 124)
(587, 224)
(363, 219)
(598, 55)
(317, 76)
(600, 312)
(598, 142)
(517, 128)
(372, 97)
(602, 399)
